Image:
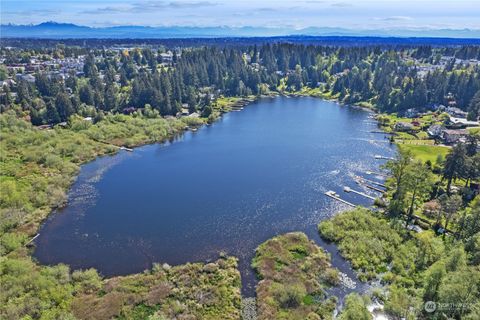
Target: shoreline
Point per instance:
(116, 148)
(244, 102)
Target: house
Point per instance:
(403, 126)
(454, 136)
(456, 112)
(45, 127)
(411, 113)
(435, 131)
(435, 107)
(26, 77)
(184, 110)
(464, 122)
(8, 83)
(166, 57)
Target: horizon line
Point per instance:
(419, 28)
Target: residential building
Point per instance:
(454, 136)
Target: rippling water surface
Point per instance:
(227, 187)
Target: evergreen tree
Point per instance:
(63, 105)
(454, 164)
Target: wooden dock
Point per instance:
(379, 157)
(372, 182)
(361, 181)
(348, 189)
(371, 187)
(376, 173)
(334, 195)
(31, 240)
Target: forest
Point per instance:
(115, 80)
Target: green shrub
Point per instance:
(294, 273)
(11, 241)
(86, 281)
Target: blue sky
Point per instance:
(359, 14)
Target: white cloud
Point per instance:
(342, 4)
(395, 18)
(150, 6)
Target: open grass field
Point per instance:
(426, 152)
(416, 142)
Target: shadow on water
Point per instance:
(227, 187)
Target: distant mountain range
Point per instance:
(55, 30)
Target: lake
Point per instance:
(227, 187)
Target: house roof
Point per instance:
(464, 121)
(455, 132)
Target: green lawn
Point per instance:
(424, 152)
(225, 102)
(416, 142)
(405, 136)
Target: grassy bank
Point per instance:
(415, 267)
(190, 291)
(293, 273)
(426, 152)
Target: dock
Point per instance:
(369, 186)
(376, 173)
(334, 195)
(31, 240)
(126, 149)
(372, 182)
(348, 189)
(379, 157)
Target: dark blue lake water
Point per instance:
(227, 187)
